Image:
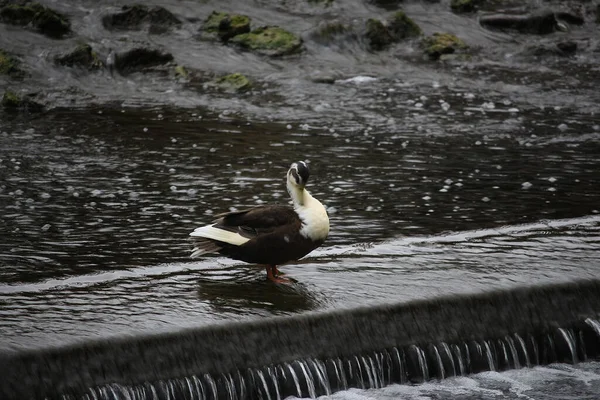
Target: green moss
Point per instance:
(234, 83)
(11, 100)
(270, 40)
(226, 26)
(43, 19)
(465, 6)
(181, 72)
(442, 43)
(9, 66)
(377, 34)
(402, 26)
(213, 22)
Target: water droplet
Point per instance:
(145, 129)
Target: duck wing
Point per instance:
(236, 228)
(257, 221)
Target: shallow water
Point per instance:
(556, 381)
(98, 205)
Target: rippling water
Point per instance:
(98, 205)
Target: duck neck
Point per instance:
(299, 195)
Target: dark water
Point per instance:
(98, 205)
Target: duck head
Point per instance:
(297, 175)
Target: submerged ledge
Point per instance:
(226, 349)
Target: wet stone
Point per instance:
(10, 66)
(377, 34)
(540, 23)
(440, 44)
(141, 59)
(269, 40)
(82, 56)
(43, 19)
(225, 26)
(137, 17)
(13, 102)
(465, 6)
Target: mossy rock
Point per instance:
(140, 59)
(42, 19)
(377, 34)
(137, 16)
(226, 26)
(83, 56)
(402, 26)
(270, 40)
(439, 44)
(465, 6)
(12, 101)
(330, 30)
(233, 83)
(181, 72)
(10, 66)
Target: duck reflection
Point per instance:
(243, 289)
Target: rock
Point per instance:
(234, 83)
(269, 40)
(140, 59)
(226, 26)
(465, 6)
(439, 44)
(42, 19)
(377, 34)
(402, 27)
(562, 49)
(387, 4)
(10, 66)
(539, 23)
(12, 101)
(327, 31)
(137, 17)
(83, 56)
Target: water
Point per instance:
(96, 222)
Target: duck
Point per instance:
(269, 235)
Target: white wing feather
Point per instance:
(222, 235)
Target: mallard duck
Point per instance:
(270, 235)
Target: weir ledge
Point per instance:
(229, 347)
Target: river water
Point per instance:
(98, 205)
(438, 179)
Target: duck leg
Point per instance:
(273, 275)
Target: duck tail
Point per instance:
(204, 246)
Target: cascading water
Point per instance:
(315, 377)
